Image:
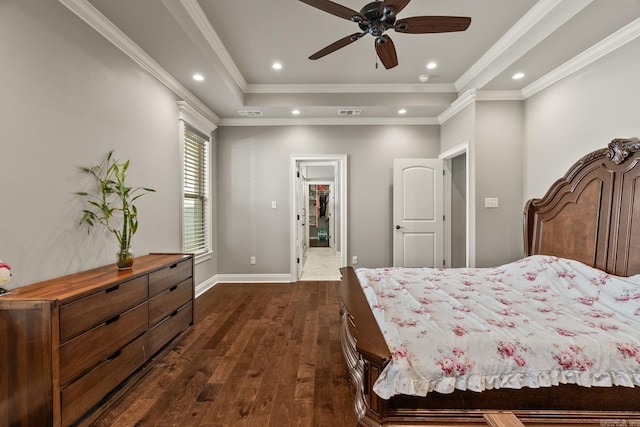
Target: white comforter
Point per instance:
(537, 322)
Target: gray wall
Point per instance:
(493, 130)
(498, 173)
(579, 114)
(253, 170)
(68, 97)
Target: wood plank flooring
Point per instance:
(259, 355)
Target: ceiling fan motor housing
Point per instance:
(378, 21)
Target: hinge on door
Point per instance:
(444, 172)
(297, 260)
(444, 262)
(297, 174)
(298, 217)
(444, 217)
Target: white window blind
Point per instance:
(196, 186)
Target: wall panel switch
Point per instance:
(491, 202)
(274, 204)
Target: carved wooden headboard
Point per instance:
(589, 215)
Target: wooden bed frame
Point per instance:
(588, 215)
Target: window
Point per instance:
(195, 187)
(196, 202)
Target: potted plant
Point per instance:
(112, 205)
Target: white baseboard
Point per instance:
(254, 278)
(206, 285)
(241, 278)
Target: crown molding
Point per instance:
(96, 20)
(474, 95)
(352, 88)
(190, 115)
(331, 121)
(614, 41)
(203, 24)
(458, 105)
(542, 19)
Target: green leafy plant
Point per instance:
(112, 204)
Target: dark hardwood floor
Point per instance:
(259, 355)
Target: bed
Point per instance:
(579, 278)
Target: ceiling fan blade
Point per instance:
(335, 9)
(386, 51)
(397, 5)
(432, 24)
(336, 45)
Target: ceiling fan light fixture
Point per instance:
(423, 78)
(380, 16)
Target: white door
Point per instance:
(300, 225)
(418, 199)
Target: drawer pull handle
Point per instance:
(114, 355)
(114, 288)
(173, 288)
(113, 319)
(175, 312)
(173, 266)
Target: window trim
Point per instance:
(188, 116)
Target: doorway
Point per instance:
(311, 177)
(459, 207)
(320, 229)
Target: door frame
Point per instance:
(339, 161)
(447, 156)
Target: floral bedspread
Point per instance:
(536, 322)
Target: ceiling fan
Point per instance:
(377, 17)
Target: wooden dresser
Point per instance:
(70, 345)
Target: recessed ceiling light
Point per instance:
(276, 66)
(402, 111)
(198, 77)
(517, 76)
(431, 65)
(295, 112)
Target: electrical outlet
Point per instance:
(274, 204)
(354, 260)
(252, 260)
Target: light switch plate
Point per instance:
(491, 202)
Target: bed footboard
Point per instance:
(364, 349)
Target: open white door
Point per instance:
(418, 199)
(300, 222)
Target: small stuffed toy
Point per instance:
(5, 276)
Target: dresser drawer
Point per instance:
(169, 276)
(88, 349)
(78, 397)
(170, 327)
(83, 314)
(168, 301)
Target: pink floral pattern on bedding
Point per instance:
(536, 322)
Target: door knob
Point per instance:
(398, 227)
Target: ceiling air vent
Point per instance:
(349, 112)
(250, 113)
